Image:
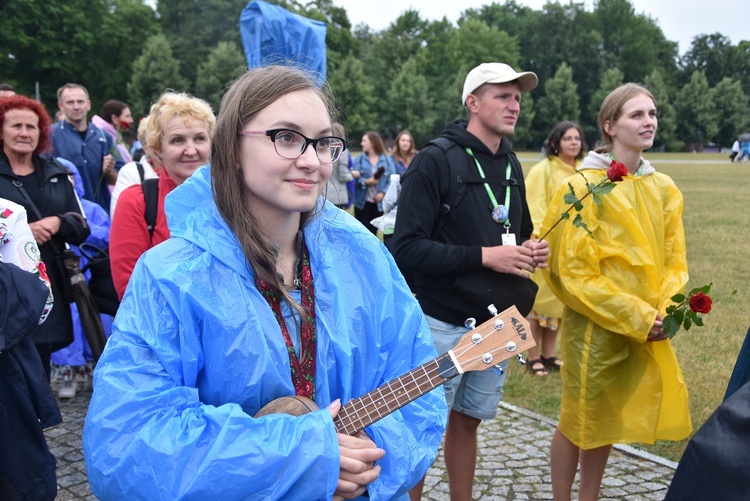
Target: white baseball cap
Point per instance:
(497, 73)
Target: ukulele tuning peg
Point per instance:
(470, 323)
(520, 359)
(499, 370)
(493, 311)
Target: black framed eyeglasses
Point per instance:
(291, 144)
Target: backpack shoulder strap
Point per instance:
(141, 172)
(451, 196)
(151, 195)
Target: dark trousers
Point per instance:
(366, 214)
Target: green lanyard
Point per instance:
(495, 205)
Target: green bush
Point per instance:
(675, 146)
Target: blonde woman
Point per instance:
(179, 133)
(621, 380)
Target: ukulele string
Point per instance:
(419, 380)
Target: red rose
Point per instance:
(42, 269)
(617, 171)
(700, 303)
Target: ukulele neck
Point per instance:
(361, 412)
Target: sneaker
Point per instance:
(68, 389)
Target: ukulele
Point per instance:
(499, 338)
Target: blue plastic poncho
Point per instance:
(272, 34)
(196, 352)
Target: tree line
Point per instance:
(407, 76)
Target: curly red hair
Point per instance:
(18, 102)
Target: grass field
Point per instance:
(716, 219)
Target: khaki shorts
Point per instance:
(476, 394)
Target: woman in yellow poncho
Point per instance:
(621, 379)
(565, 147)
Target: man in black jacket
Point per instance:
(27, 405)
(464, 230)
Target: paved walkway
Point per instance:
(513, 460)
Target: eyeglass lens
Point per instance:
(291, 144)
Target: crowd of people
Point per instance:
(243, 279)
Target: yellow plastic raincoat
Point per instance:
(617, 387)
(542, 183)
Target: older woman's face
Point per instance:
(184, 148)
(20, 132)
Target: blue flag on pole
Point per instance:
(271, 34)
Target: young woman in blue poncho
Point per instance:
(264, 290)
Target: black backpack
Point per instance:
(151, 196)
(462, 174)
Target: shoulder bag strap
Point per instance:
(151, 195)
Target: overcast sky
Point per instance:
(680, 20)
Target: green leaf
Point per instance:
(565, 215)
(597, 199)
(670, 326)
(679, 316)
(570, 198)
(687, 323)
(579, 223)
(678, 298)
(603, 189)
(671, 308)
(698, 321)
(591, 187)
(578, 205)
(705, 290)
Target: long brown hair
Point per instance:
(404, 156)
(612, 106)
(249, 95)
(376, 141)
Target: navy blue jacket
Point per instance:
(27, 405)
(87, 156)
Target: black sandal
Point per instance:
(552, 362)
(539, 370)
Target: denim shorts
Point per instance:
(477, 393)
